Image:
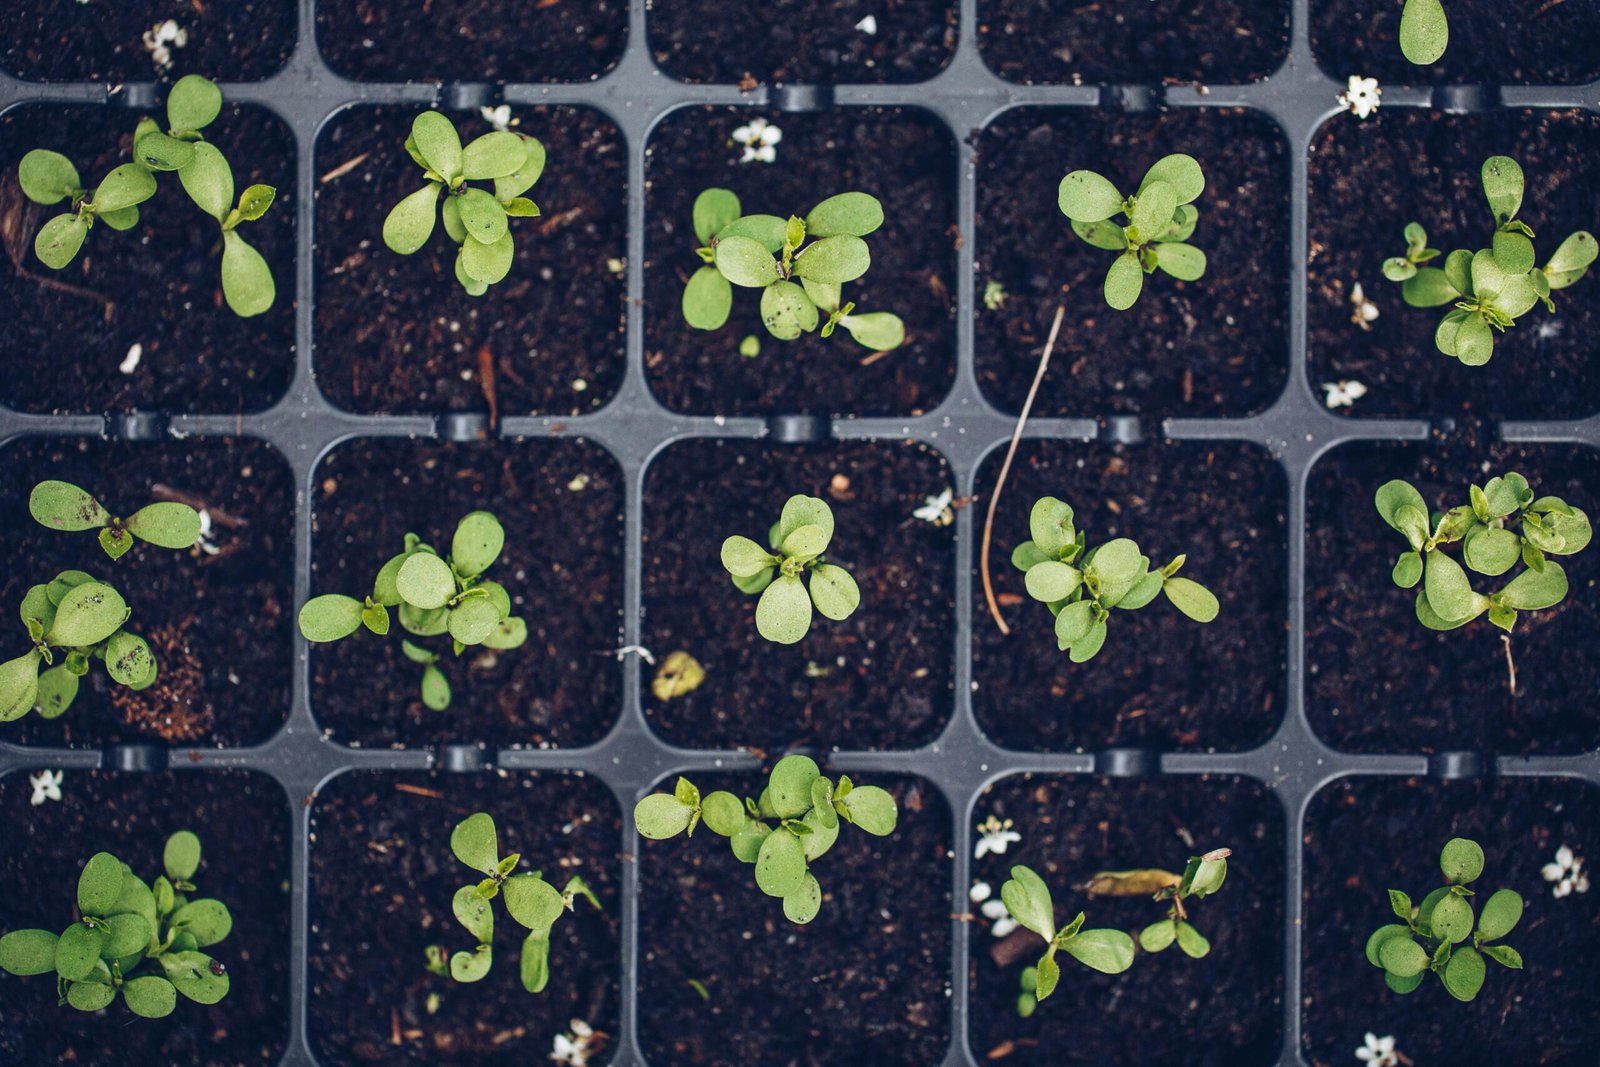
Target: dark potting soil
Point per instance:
(382, 881)
(1161, 680)
(1078, 41)
(560, 502)
(158, 285)
(238, 40)
(399, 334)
(879, 679)
(1365, 836)
(228, 617)
(1534, 44)
(866, 981)
(242, 819)
(1217, 1011)
(1368, 179)
(903, 157)
(1218, 346)
(803, 40)
(472, 40)
(1380, 681)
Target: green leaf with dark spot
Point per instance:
(1461, 860)
(1424, 31)
(1085, 196)
(781, 864)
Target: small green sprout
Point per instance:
(1027, 898)
(1431, 936)
(994, 294)
(529, 899)
(1502, 524)
(768, 253)
(474, 218)
(1495, 286)
(143, 940)
(798, 539)
(1081, 587)
(1201, 877)
(1161, 217)
(436, 595)
(193, 104)
(165, 524)
(81, 619)
(1424, 31)
(806, 809)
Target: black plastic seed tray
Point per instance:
(1295, 429)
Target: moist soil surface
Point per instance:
(398, 333)
(237, 40)
(227, 617)
(879, 679)
(1365, 836)
(1380, 681)
(157, 286)
(560, 503)
(1162, 680)
(792, 41)
(1218, 346)
(242, 819)
(866, 981)
(472, 40)
(1043, 41)
(1534, 44)
(382, 881)
(1368, 179)
(1219, 1011)
(906, 159)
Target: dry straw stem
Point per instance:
(1005, 468)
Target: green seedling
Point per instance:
(531, 901)
(193, 104)
(1159, 220)
(64, 506)
(1027, 898)
(1201, 877)
(142, 940)
(1081, 585)
(1433, 936)
(800, 265)
(1492, 287)
(477, 220)
(798, 539)
(79, 619)
(794, 822)
(435, 595)
(1424, 31)
(1502, 524)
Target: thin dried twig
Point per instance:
(486, 383)
(1005, 468)
(1511, 664)
(344, 168)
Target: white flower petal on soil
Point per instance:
(1361, 96)
(46, 786)
(994, 836)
